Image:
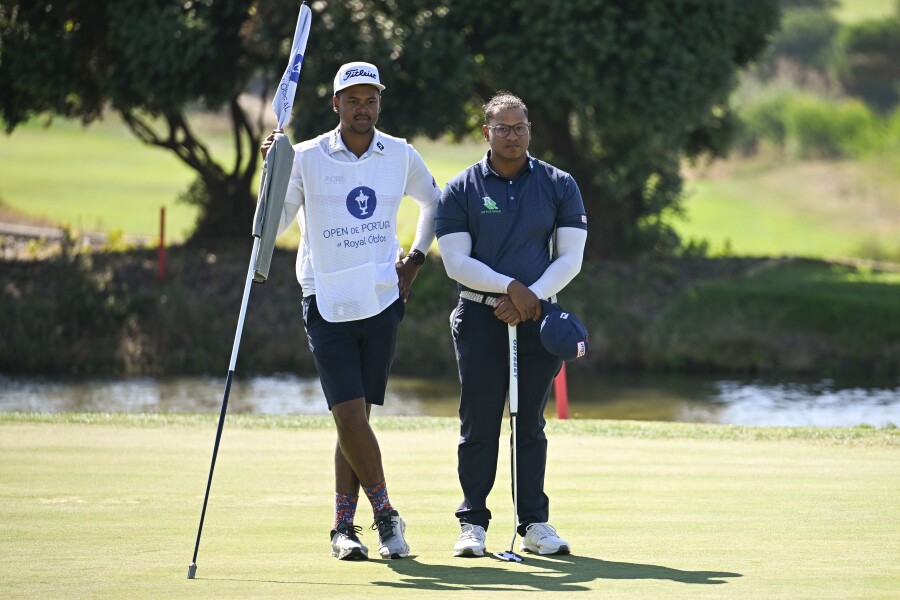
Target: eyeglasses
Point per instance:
(503, 130)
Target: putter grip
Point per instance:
(513, 371)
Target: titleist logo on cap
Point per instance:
(351, 73)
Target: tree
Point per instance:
(149, 61)
(156, 61)
(619, 92)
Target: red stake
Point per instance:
(561, 393)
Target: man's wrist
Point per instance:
(416, 257)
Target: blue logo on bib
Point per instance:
(361, 202)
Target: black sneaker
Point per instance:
(345, 544)
(391, 527)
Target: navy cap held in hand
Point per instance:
(562, 333)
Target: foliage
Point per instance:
(150, 61)
(829, 310)
(807, 4)
(806, 37)
(65, 321)
(817, 128)
(868, 63)
(619, 93)
(811, 126)
(107, 314)
(763, 120)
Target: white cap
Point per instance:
(357, 73)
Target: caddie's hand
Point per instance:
(506, 311)
(406, 273)
(528, 305)
(267, 143)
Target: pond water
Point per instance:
(639, 397)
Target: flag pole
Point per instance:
(268, 210)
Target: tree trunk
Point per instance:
(609, 221)
(226, 212)
(226, 202)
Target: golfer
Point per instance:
(345, 190)
(494, 223)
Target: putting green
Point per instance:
(108, 506)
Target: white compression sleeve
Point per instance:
(425, 226)
(455, 252)
(570, 242)
(421, 187)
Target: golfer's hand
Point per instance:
(506, 311)
(528, 305)
(267, 143)
(406, 273)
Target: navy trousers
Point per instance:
(482, 354)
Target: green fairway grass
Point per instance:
(99, 178)
(854, 11)
(107, 506)
(817, 209)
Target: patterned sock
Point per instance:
(344, 508)
(378, 496)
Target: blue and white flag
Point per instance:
(284, 97)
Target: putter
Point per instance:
(513, 411)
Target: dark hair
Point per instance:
(502, 99)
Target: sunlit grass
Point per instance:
(768, 207)
(854, 11)
(99, 178)
(111, 511)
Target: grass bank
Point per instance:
(773, 206)
(107, 314)
(107, 506)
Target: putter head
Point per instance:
(192, 570)
(509, 556)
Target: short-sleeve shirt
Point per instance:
(511, 221)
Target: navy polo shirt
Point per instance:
(511, 220)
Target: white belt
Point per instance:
(478, 297)
(487, 298)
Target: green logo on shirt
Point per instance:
(490, 205)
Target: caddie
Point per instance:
(345, 190)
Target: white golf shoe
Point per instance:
(345, 544)
(391, 528)
(471, 540)
(541, 538)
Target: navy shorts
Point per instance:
(353, 358)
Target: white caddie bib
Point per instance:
(351, 221)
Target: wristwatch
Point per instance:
(417, 257)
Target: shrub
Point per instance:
(806, 37)
(764, 121)
(820, 128)
(868, 62)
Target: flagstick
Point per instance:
(192, 569)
